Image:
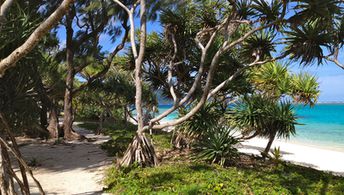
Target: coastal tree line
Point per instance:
(216, 61)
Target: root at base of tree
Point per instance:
(140, 151)
(72, 135)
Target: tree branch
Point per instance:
(335, 58)
(108, 61)
(35, 37)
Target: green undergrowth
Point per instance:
(182, 176)
(122, 135)
(201, 178)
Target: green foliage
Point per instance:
(199, 178)
(276, 155)
(305, 88)
(21, 90)
(268, 12)
(305, 43)
(274, 81)
(259, 44)
(198, 125)
(256, 114)
(217, 145)
(271, 79)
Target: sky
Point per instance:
(330, 76)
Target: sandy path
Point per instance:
(310, 156)
(73, 168)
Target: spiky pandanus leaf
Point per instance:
(217, 146)
(259, 44)
(305, 43)
(308, 10)
(271, 79)
(305, 88)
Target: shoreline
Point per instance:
(318, 145)
(300, 154)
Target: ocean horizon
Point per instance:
(320, 126)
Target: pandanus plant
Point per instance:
(268, 112)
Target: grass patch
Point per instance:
(122, 135)
(200, 178)
(177, 175)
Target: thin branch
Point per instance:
(197, 78)
(132, 25)
(248, 34)
(237, 73)
(22, 162)
(109, 60)
(335, 58)
(170, 69)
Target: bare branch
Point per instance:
(248, 34)
(35, 37)
(130, 13)
(237, 73)
(170, 69)
(334, 59)
(197, 78)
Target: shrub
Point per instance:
(276, 155)
(217, 146)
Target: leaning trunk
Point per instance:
(268, 147)
(68, 131)
(69, 134)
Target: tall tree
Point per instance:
(92, 19)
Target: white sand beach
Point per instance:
(310, 156)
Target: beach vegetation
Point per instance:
(219, 63)
(218, 145)
(200, 178)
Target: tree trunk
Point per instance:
(43, 115)
(141, 150)
(268, 146)
(53, 122)
(68, 131)
(6, 163)
(4, 182)
(100, 124)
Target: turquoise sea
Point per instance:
(322, 125)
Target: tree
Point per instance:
(18, 67)
(83, 48)
(266, 113)
(240, 29)
(35, 37)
